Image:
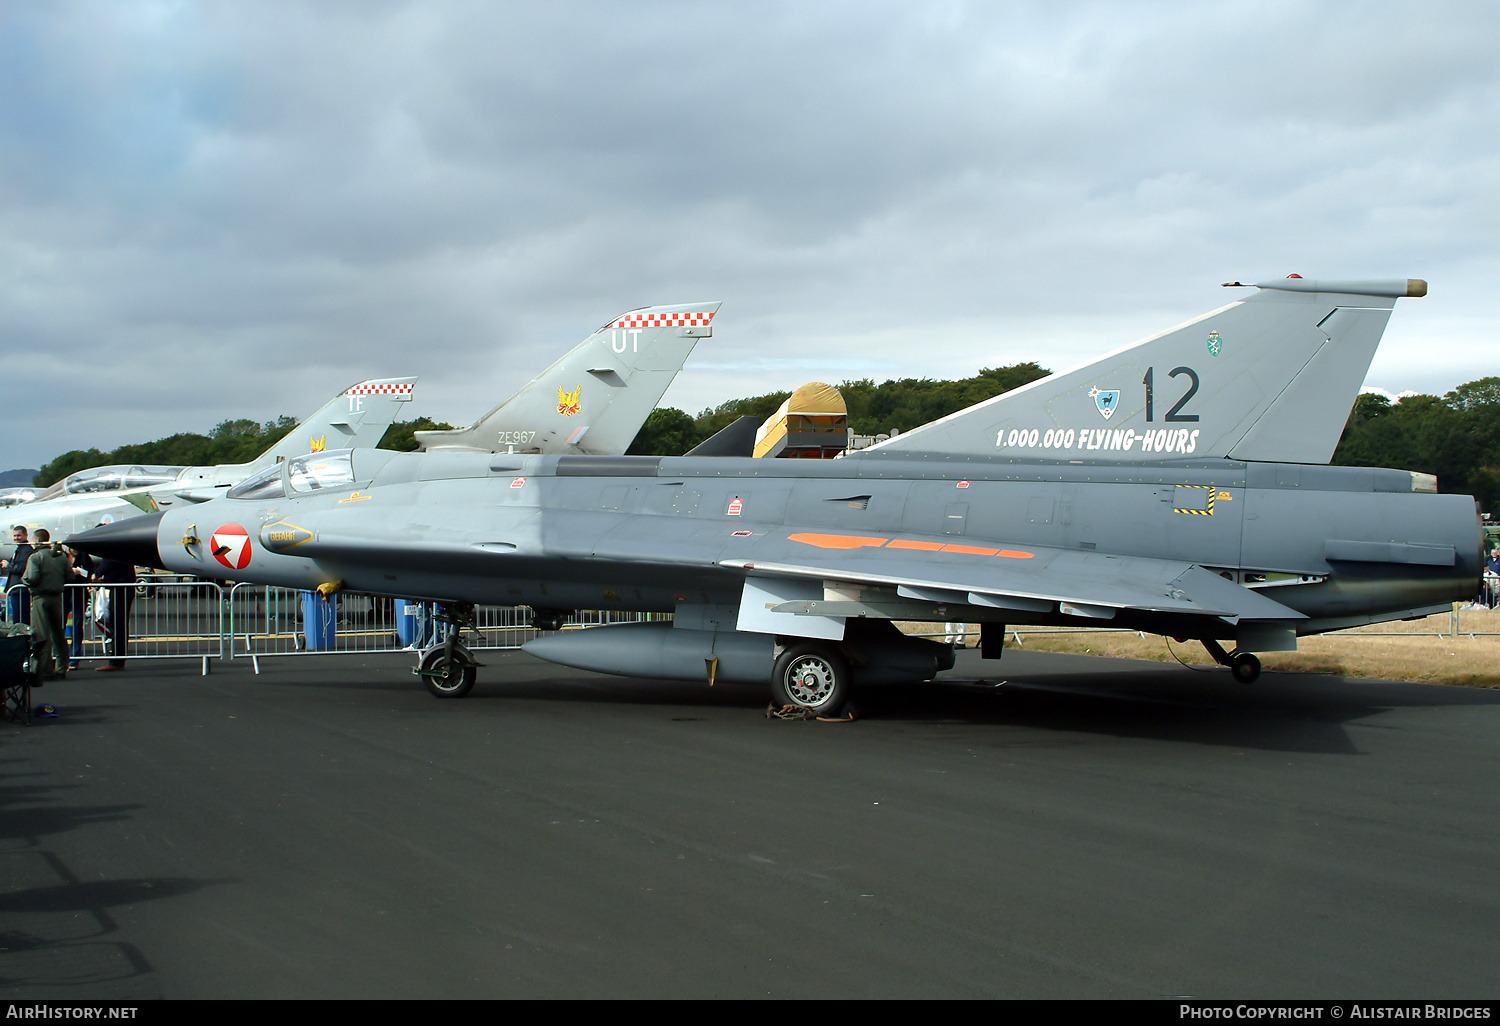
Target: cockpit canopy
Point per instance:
(16, 496)
(303, 475)
(321, 470)
(110, 479)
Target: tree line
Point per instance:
(1455, 436)
(232, 441)
(873, 409)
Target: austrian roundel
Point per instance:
(230, 545)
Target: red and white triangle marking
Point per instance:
(230, 545)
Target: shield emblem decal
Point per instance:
(1106, 400)
(1215, 343)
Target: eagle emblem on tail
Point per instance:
(569, 403)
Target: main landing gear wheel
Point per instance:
(1244, 666)
(448, 675)
(813, 677)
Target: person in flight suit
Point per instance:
(47, 574)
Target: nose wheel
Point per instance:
(449, 670)
(448, 674)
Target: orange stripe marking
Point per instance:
(970, 550)
(838, 541)
(902, 543)
(860, 541)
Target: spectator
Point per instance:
(120, 579)
(15, 567)
(76, 600)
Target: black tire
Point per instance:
(811, 676)
(448, 678)
(1245, 666)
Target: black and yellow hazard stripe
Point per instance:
(1212, 491)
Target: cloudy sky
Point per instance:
(214, 210)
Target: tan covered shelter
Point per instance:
(812, 424)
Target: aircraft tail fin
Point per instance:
(735, 439)
(1270, 377)
(356, 418)
(594, 400)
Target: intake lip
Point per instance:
(132, 540)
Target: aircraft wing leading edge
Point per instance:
(1026, 579)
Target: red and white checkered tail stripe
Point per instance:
(674, 319)
(390, 388)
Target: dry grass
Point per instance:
(1411, 651)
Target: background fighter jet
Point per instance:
(16, 496)
(594, 400)
(792, 571)
(363, 412)
(358, 416)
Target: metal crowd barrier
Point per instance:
(266, 621)
(163, 618)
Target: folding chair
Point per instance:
(17, 671)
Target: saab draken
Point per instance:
(1189, 520)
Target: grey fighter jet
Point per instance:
(790, 572)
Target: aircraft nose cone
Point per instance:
(132, 540)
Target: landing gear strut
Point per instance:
(1244, 666)
(450, 669)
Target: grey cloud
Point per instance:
(290, 197)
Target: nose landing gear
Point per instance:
(449, 670)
